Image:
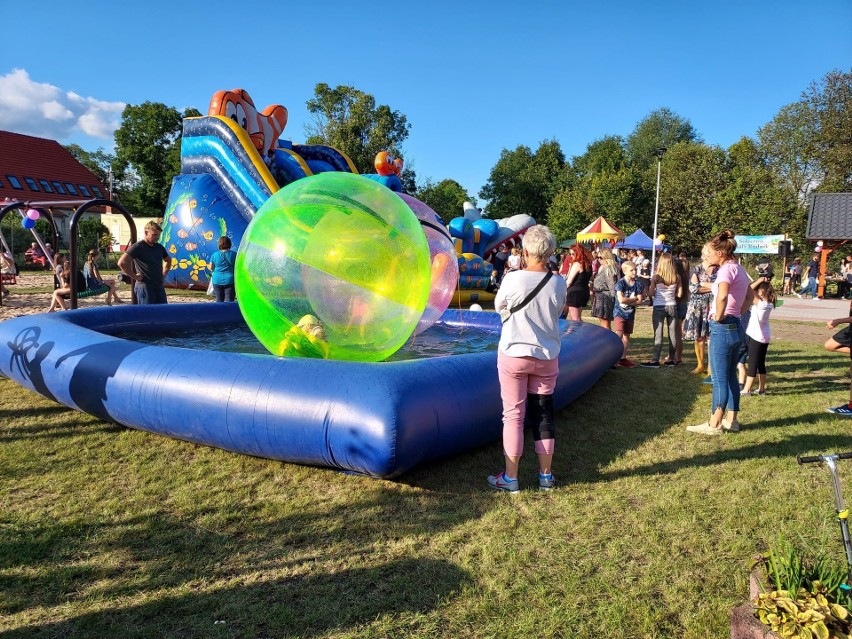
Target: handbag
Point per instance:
(506, 313)
(210, 290)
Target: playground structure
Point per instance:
(81, 207)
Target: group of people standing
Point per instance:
(710, 304)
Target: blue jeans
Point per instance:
(725, 340)
(810, 287)
(149, 294)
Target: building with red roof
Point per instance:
(40, 170)
(36, 169)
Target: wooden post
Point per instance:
(823, 265)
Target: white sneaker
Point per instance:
(817, 298)
(797, 295)
(704, 429)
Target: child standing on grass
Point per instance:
(628, 292)
(758, 333)
(530, 301)
(840, 343)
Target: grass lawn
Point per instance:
(110, 532)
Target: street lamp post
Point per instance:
(659, 152)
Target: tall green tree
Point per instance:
(148, 150)
(830, 99)
(789, 144)
(446, 198)
(660, 128)
(525, 182)
(754, 201)
(351, 121)
(599, 182)
(692, 178)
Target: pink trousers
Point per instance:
(519, 376)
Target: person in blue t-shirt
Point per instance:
(222, 264)
(628, 293)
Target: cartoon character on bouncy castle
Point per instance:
(388, 169)
(263, 128)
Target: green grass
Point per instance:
(110, 532)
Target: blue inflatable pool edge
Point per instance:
(380, 419)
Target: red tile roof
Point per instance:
(25, 156)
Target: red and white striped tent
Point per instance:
(600, 231)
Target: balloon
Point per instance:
(818, 249)
(345, 251)
(33, 214)
(27, 223)
(475, 307)
(662, 238)
(819, 243)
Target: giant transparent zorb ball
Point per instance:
(445, 266)
(333, 266)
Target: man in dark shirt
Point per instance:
(500, 262)
(812, 272)
(147, 263)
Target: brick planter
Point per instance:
(744, 625)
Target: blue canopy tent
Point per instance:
(639, 240)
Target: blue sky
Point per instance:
(472, 77)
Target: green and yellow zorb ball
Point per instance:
(334, 266)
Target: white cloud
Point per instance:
(44, 110)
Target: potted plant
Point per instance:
(794, 594)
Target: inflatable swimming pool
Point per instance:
(380, 419)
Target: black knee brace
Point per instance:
(541, 416)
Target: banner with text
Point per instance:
(758, 243)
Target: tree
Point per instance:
(599, 182)
(692, 177)
(570, 211)
(91, 233)
(148, 148)
(349, 120)
(446, 198)
(98, 162)
(830, 100)
(660, 128)
(754, 201)
(789, 144)
(525, 182)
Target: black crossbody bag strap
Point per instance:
(534, 292)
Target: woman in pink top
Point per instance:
(731, 296)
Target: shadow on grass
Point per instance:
(786, 449)
(46, 563)
(42, 412)
(310, 606)
(72, 427)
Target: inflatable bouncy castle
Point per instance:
(328, 266)
(477, 241)
(231, 163)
